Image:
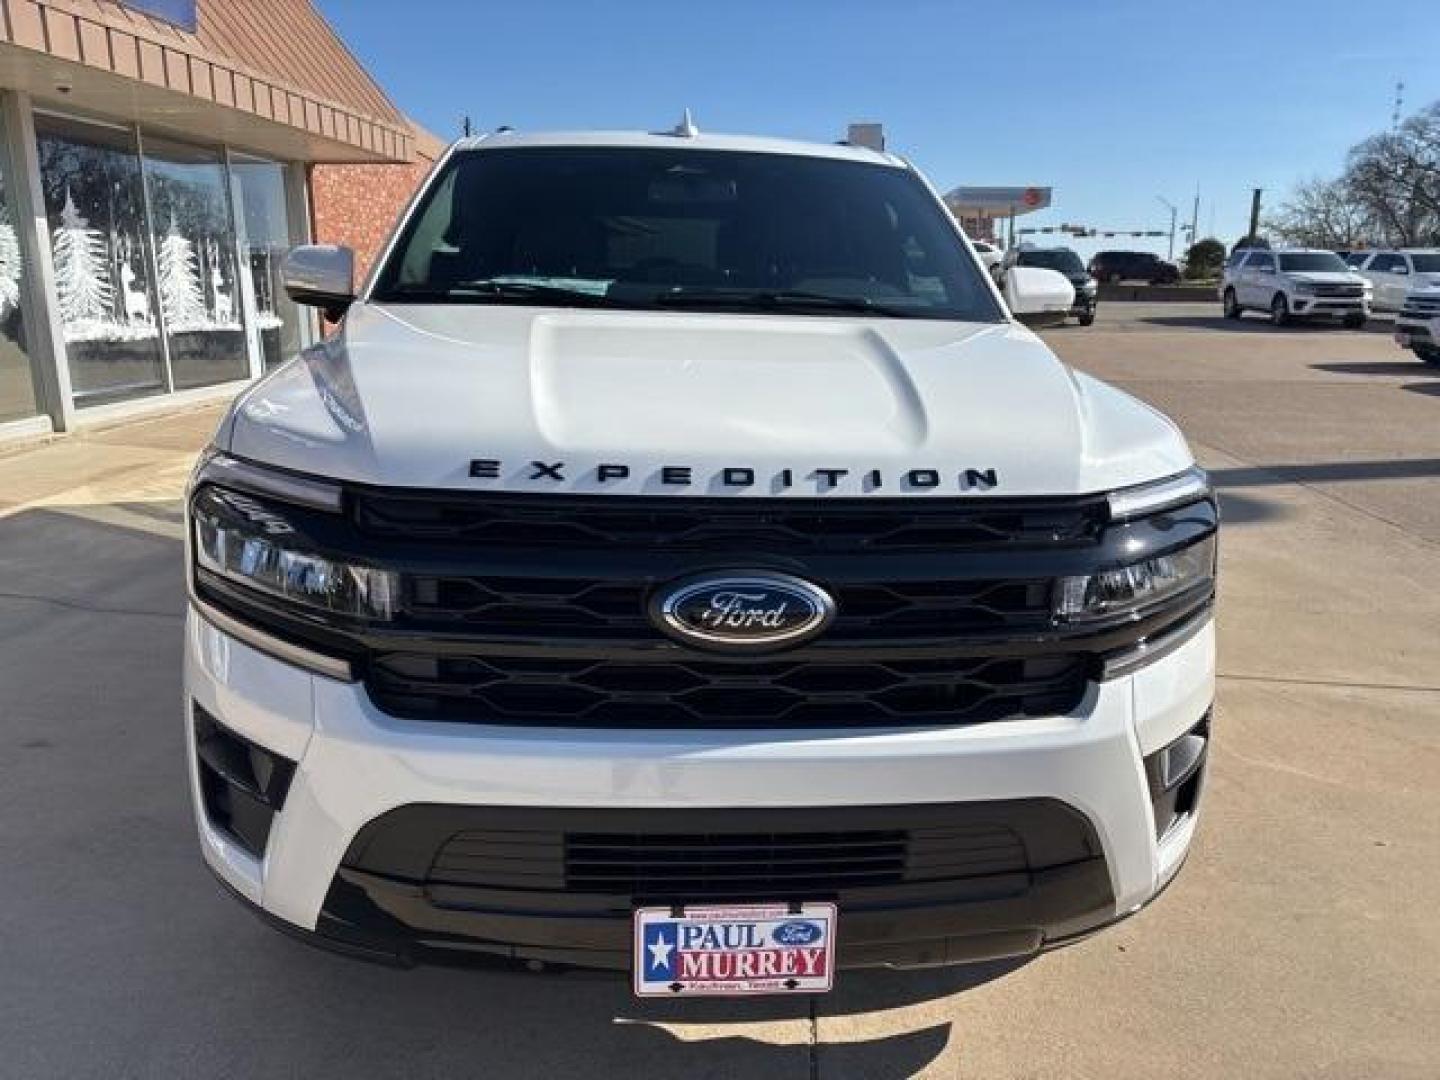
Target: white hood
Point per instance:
(470, 396)
(1328, 277)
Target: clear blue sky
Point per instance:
(1110, 102)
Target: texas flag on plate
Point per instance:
(735, 949)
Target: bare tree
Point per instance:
(1322, 214)
(1388, 194)
(1396, 177)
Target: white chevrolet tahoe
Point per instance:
(1294, 284)
(680, 562)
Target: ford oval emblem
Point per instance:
(743, 611)
(797, 933)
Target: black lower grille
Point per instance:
(725, 865)
(915, 884)
(689, 693)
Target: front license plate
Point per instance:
(734, 949)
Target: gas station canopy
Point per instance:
(996, 202)
(977, 208)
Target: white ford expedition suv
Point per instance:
(1291, 284)
(681, 562)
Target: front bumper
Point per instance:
(1301, 304)
(354, 765)
(1410, 332)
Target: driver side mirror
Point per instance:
(321, 275)
(1401, 269)
(1038, 297)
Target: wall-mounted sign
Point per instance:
(179, 13)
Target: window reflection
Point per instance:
(17, 387)
(90, 176)
(267, 239)
(196, 270)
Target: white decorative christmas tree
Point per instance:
(181, 299)
(10, 265)
(81, 283)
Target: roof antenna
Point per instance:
(686, 128)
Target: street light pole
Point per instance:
(1173, 211)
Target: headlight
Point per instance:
(243, 540)
(1137, 586)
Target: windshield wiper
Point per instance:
(772, 299)
(500, 290)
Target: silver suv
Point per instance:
(1294, 283)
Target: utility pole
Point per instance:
(1255, 212)
(1195, 219)
(1173, 211)
(465, 126)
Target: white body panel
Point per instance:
(408, 396)
(355, 763)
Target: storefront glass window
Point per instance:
(267, 239)
(194, 240)
(96, 208)
(17, 387)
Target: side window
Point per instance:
(1261, 262)
(1356, 259)
(1386, 264)
(1236, 258)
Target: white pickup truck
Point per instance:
(681, 562)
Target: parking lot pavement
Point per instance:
(1298, 942)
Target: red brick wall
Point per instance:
(356, 205)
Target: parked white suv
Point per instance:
(1417, 326)
(990, 255)
(1294, 283)
(1393, 274)
(681, 562)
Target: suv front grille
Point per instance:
(500, 607)
(1421, 307)
(1348, 291)
(683, 691)
(729, 524)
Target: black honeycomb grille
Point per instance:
(495, 607)
(682, 692)
(723, 525)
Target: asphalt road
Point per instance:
(1299, 942)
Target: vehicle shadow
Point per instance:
(1255, 325)
(125, 957)
(1430, 389)
(1403, 368)
(1249, 476)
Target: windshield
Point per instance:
(1426, 262)
(1312, 262)
(1066, 261)
(684, 229)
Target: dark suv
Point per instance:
(1113, 266)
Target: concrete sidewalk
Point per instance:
(141, 463)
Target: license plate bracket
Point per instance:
(723, 950)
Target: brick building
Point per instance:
(157, 159)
